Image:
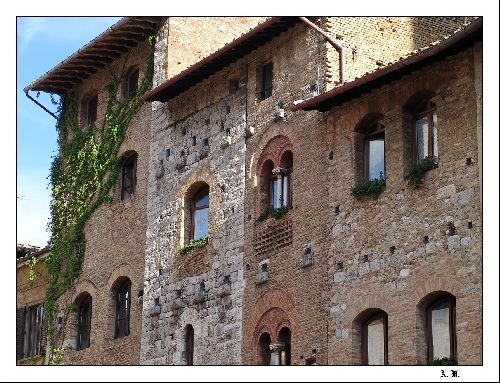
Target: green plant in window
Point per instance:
(276, 213)
(371, 188)
(415, 172)
(443, 362)
(193, 244)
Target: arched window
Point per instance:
(84, 321)
(285, 340)
(199, 213)
(280, 183)
(91, 109)
(441, 330)
(189, 345)
(132, 83)
(370, 147)
(122, 301)
(374, 339)
(425, 131)
(265, 351)
(129, 178)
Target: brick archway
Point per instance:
(271, 313)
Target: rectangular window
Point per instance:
(32, 331)
(376, 342)
(92, 110)
(200, 223)
(266, 83)
(375, 156)
(441, 331)
(422, 138)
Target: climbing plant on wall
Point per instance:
(82, 176)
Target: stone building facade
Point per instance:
(311, 279)
(307, 282)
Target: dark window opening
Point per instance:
(84, 322)
(132, 83)
(189, 345)
(266, 81)
(375, 339)
(264, 349)
(129, 179)
(285, 338)
(199, 213)
(122, 318)
(92, 110)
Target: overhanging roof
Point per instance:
(455, 43)
(109, 45)
(228, 54)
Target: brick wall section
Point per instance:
(115, 241)
(397, 281)
(191, 39)
(372, 42)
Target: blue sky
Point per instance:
(42, 43)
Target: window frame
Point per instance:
(121, 286)
(200, 193)
(428, 113)
(80, 324)
(378, 133)
(451, 326)
(364, 337)
(130, 158)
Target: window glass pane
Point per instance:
(441, 330)
(376, 343)
(434, 136)
(203, 201)
(422, 139)
(200, 223)
(375, 158)
(275, 193)
(285, 190)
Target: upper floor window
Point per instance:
(132, 83)
(32, 330)
(122, 301)
(441, 331)
(281, 182)
(370, 145)
(91, 110)
(129, 178)
(425, 131)
(199, 213)
(265, 81)
(374, 341)
(84, 322)
(189, 345)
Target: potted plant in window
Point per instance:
(415, 172)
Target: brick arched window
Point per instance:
(128, 175)
(285, 342)
(441, 328)
(374, 339)
(370, 147)
(122, 293)
(265, 351)
(84, 321)
(199, 213)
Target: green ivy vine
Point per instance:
(81, 176)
